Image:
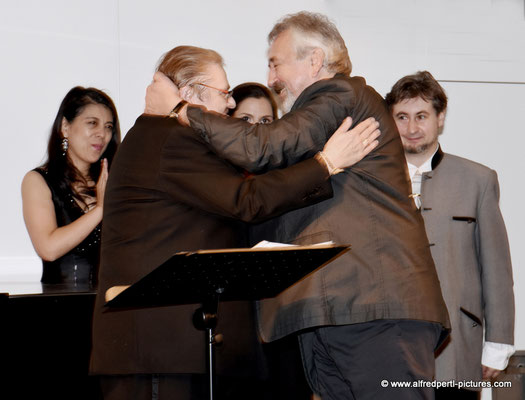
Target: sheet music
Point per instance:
(267, 244)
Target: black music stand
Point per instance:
(210, 276)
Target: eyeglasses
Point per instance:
(227, 93)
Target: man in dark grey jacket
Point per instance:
(375, 315)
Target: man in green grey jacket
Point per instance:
(375, 315)
(458, 199)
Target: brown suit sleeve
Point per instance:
(192, 174)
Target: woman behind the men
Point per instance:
(63, 198)
(256, 105)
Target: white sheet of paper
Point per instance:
(266, 243)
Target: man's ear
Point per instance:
(186, 93)
(441, 119)
(317, 61)
(64, 127)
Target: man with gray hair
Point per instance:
(375, 315)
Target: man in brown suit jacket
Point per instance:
(373, 316)
(168, 192)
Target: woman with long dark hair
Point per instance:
(63, 199)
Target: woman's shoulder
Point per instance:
(35, 180)
(36, 174)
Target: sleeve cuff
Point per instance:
(496, 355)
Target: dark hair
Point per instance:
(60, 170)
(252, 90)
(421, 84)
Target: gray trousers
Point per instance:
(358, 361)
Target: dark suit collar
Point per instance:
(436, 159)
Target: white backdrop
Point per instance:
(48, 47)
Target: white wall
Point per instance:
(48, 47)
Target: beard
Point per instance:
(421, 148)
(285, 103)
(417, 149)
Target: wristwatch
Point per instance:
(175, 112)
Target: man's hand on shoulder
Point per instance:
(161, 95)
(348, 146)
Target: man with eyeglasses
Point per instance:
(169, 192)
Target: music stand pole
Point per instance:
(205, 318)
(233, 274)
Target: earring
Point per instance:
(65, 146)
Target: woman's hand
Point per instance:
(101, 183)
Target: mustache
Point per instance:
(278, 87)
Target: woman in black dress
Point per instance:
(63, 198)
